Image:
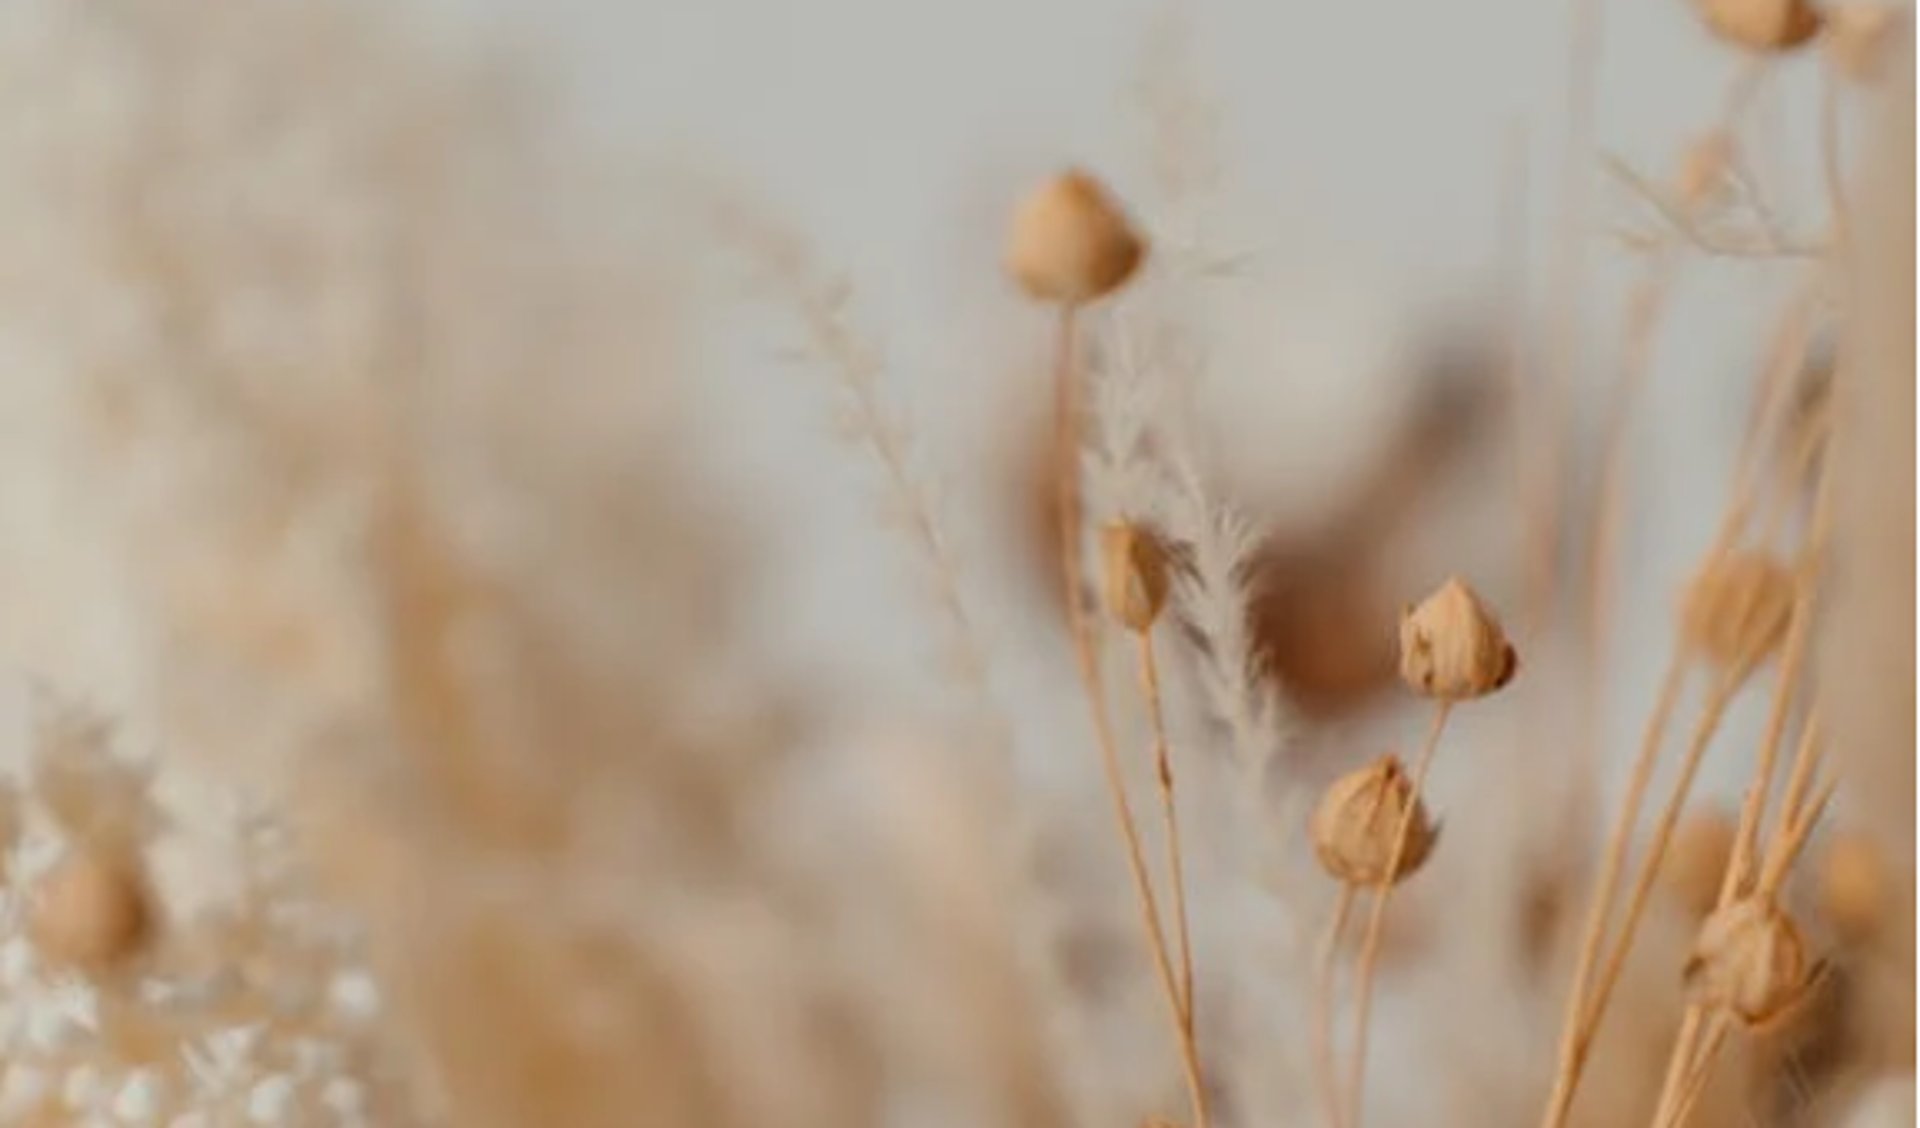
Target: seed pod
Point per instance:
(1070, 242)
(1133, 575)
(1452, 648)
(1761, 25)
(1859, 38)
(1749, 958)
(1855, 886)
(90, 911)
(1738, 607)
(1696, 861)
(1353, 828)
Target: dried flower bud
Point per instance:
(1452, 648)
(1761, 25)
(1738, 607)
(1706, 171)
(1133, 575)
(1749, 958)
(1071, 243)
(90, 911)
(1855, 886)
(1354, 826)
(1696, 861)
(1859, 38)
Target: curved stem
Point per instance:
(1708, 724)
(1377, 918)
(1323, 1006)
(1573, 1044)
(1066, 424)
(1163, 774)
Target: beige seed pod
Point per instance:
(1859, 38)
(1855, 885)
(1452, 647)
(1750, 959)
(90, 911)
(1133, 575)
(1354, 825)
(1070, 243)
(1761, 25)
(1738, 607)
(1696, 861)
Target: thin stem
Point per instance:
(1709, 723)
(1323, 1005)
(1792, 658)
(1377, 918)
(1066, 425)
(1680, 1059)
(1573, 1042)
(1786, 846)
(1806, 760)
(1163, 772)
(1695, 1084)
(1566, 278)
(1642, 320)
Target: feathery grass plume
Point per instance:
(480, 626)
(787, 274)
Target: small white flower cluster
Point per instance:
(251, 1010)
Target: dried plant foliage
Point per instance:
(439, 782)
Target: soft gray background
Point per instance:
(1362, 141)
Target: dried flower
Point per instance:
(1761, 25)
(1859, 38)
(1452, 648)
(90, 911)
(1133, 575)
(1354, 826)
(1696, 860)
(1855, 886)
(1750, 959)
(1738, 607)
(1071, 243)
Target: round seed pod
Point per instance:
(1696, 861)
(1452, 648)
(1070, 243)
(1859, 38)
(1750, 959)
(1761, 25)
(1738, 607)
(1133, 569)
(91, 911)
(1855, 885)
(1354, 825)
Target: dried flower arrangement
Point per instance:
(471, 808)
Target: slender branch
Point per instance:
(1695, 1085)
(1163, 772)
(1806, 761)
(1786, 846)
(1573, 1041)
(1324, 1067)
(1703, 732)
(1066, 423)
(1377, 918)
